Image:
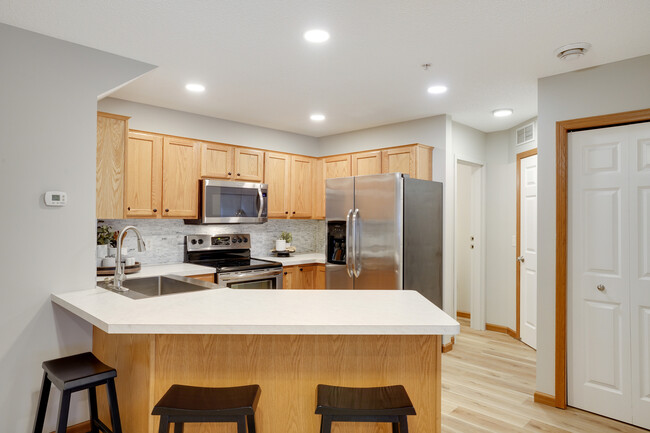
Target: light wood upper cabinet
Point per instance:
(143, 175)
(302, 182)
(365, 163)
(337, 166)
(318, 202)
(112, 134)
(180, 186)
(217, 161)
(415, 160)
(277, 175)
(249, 165)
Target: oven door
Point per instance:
(233, 202)
(257, 279)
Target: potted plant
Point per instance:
(286, 236)
(104, 238)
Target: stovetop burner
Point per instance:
(226, 253)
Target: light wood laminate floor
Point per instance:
(488, 381)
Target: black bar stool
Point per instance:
(188, 404)
(383, 404)
(76, 373)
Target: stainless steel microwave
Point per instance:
(226, 202)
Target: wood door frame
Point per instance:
(520, 156)
(561, 220)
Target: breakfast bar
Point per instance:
(286, 341)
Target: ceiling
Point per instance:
(258, 69)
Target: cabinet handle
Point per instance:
(300, 269)
(155, 210)
(294, 212)
(286, 212)
(229, 174)
(128, 208)
(238, 174)
(166, 210)
(285, 273)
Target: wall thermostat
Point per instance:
(56, 198)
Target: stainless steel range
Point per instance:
(230, 254)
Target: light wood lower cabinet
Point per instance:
(112, 133)
(301, 277)
(319, 282)
(205, 277)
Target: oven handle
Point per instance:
(259, 193)
(247, 275)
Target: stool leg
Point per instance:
(164, 424)
(92, 400)
(42, 404)
(251, 423)
(403, 424)
(112, 406)
(241, 424)
(178, 427)
(64, 409)
(326, 424)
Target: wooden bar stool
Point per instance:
(187, 404)
(383, 404)
(76, 373)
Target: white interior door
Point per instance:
(598, 280)
(528, 249)
(639, 177)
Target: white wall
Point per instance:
(49, 94)
(612, 88)
(165, 121)
(501, 158)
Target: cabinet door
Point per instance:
(424, 157)
(366, 163)
(216, 161)
(301, 186)
(319, 282)
(180, 178)
(249, 165)
(399, 160)
(307, 276)
(290, 277)
(143, 175)
(337, 166)
(112, 133)
(204, 277)
(276, 176)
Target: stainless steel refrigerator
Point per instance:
(384, 232)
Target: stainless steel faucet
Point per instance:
(119, 269)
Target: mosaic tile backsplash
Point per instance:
(165, 238)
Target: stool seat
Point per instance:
(196, 400)
(77, 371)
(383, 400)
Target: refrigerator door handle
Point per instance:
(355, 248)
(349, 252)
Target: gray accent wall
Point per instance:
(49, 92)
(165, 237)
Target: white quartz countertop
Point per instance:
(298, 259)
(284, 312)
(182, 269)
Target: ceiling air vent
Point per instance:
(526, 134)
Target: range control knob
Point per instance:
(245, 239)
(235, 240)
(200, 241)
(193, 241)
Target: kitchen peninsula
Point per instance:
(286, 341)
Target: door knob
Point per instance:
(521, 259)
(601, 287)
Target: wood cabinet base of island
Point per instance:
(287, 367)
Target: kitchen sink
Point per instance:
(142, 288)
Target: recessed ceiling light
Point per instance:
(572, 51)
(316, 36)
(437, 90)
(502, 112)
(317, 117)
(195, 87)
